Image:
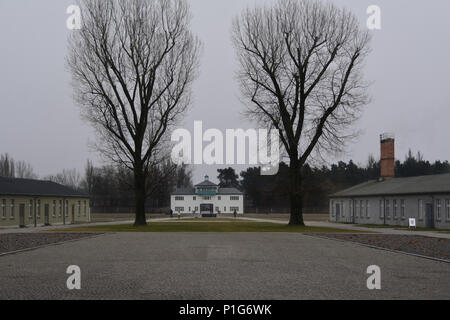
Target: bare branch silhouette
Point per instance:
(132, 64)
(301, 73)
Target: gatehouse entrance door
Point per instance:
(207, 210)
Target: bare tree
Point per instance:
(301, 73)
(68, 177)
(7, 166)
(89, 180)
(133, 63)
(183, 176)
(24, 170)
(15, 169)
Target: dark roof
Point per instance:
(191, 191)
(229, 191)
(29, 187)
(183, 191)
(430, 184)
(206, 183)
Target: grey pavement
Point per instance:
(345, 226)
(151, 265)
(380, 230)
(351, 227)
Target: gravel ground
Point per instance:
(215, 266)
(19, 241)
(427, 246)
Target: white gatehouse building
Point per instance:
(207, 199)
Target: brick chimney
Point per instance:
(387, 155)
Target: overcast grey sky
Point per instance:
(409, 65)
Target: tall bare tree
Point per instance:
(24, 170)
(89, 180)
(7, 166)
(301, 73)
(11, 168)
(133, 63)
(68, 177)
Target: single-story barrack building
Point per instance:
(29, 202)
(393, 201)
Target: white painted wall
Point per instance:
(224, 203)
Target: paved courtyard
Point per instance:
(218, 266)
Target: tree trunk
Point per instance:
(295, 195)
(139, 187)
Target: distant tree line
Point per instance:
(319, 182)
(111, 187)
(11, 168)
(416, 166)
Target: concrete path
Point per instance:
(147, 265)
(348, 227)
(380, 230)
(65, 226)
(351, 227)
